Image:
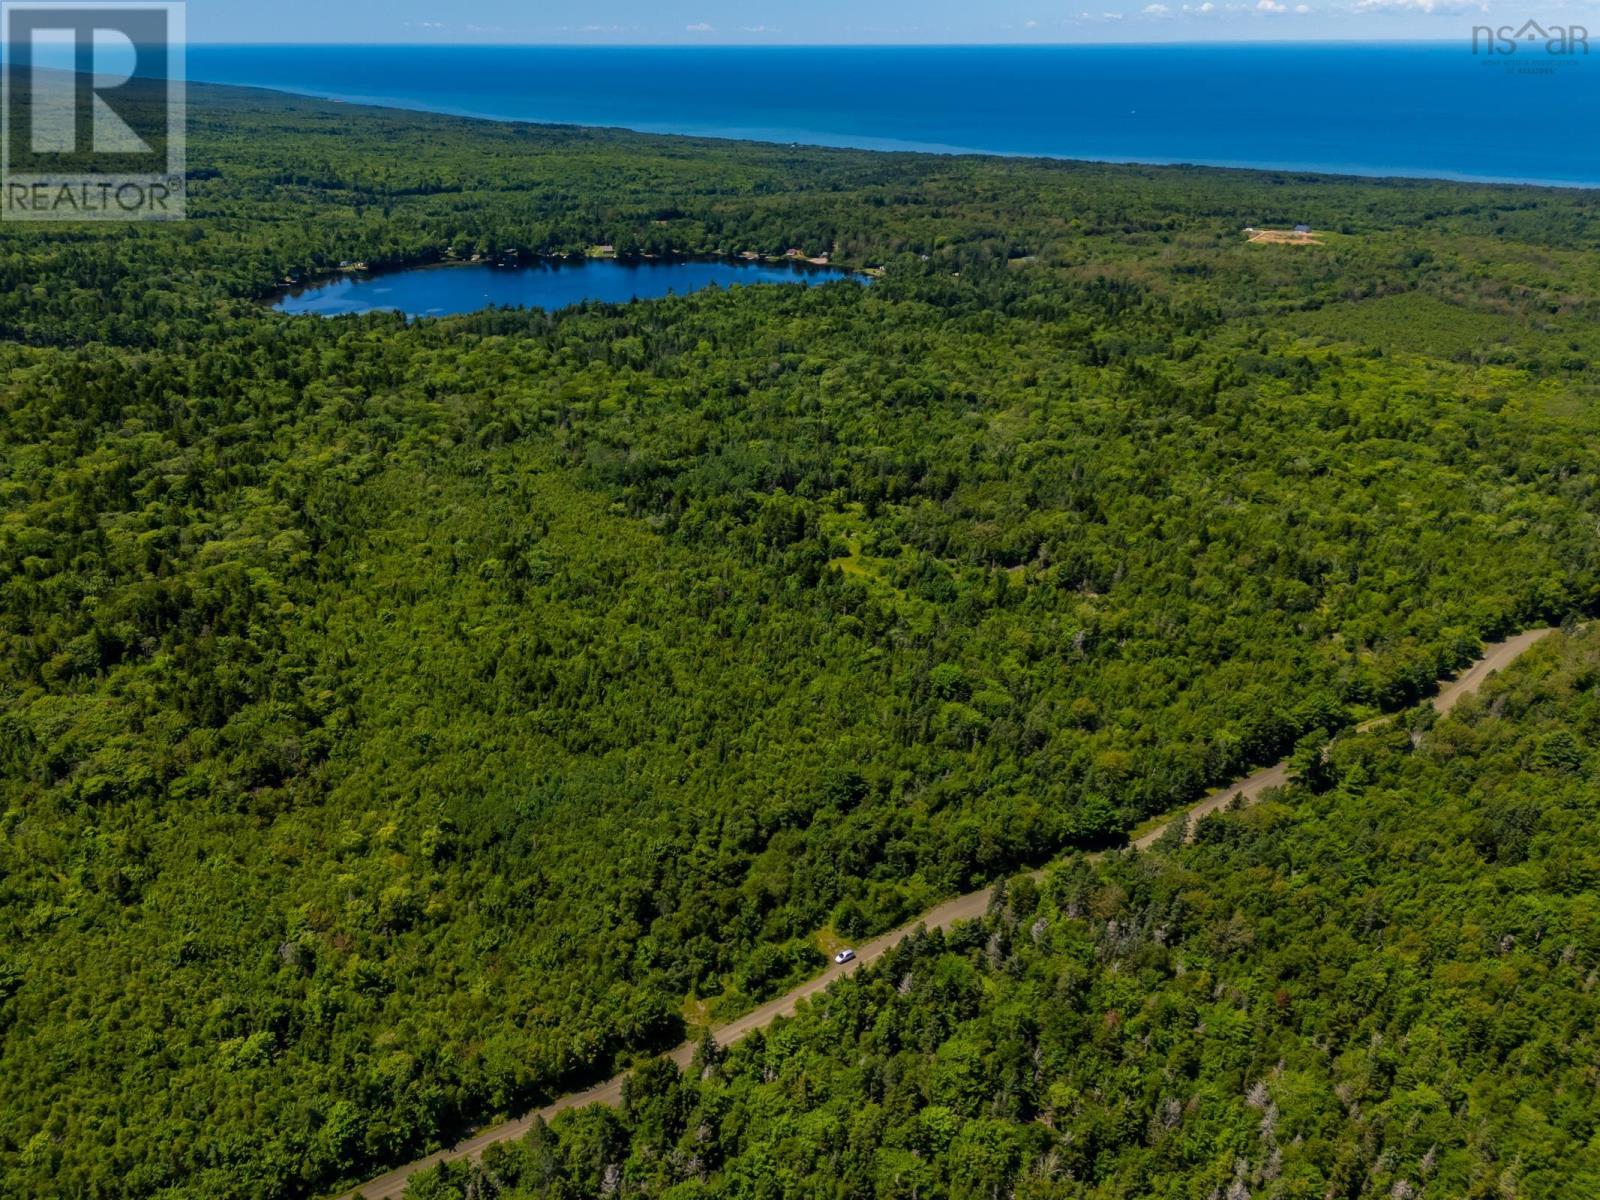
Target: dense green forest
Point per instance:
(401, 722)
(1379, 983)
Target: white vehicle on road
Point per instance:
(844, 956)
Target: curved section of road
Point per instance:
(963, 908)
(1495, 658)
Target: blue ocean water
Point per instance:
(438, 290)
(1414, 109)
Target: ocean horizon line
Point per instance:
(1150, 44)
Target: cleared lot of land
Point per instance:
(1288, 237)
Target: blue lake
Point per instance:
(437, 291)
(1419, 109)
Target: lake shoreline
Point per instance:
(516, 263)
